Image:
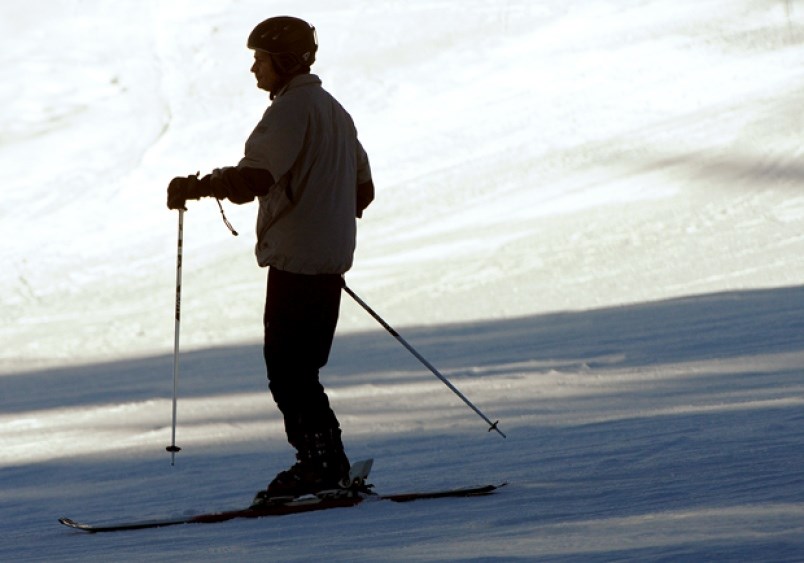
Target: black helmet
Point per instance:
(291, 42)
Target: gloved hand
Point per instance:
(183, 188)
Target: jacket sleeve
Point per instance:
(365, 195)
(238, 185)
(365, 185)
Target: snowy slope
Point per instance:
(589, 216)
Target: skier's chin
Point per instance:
(263, 84)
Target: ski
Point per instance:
(336, 499)
(296, 506)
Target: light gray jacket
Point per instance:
(307, 141)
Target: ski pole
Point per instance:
(173, 448)
(395, 334)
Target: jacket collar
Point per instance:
(298, 81)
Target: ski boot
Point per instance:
(321, 469)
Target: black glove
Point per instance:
(183, 188)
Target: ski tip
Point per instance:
(483, 489)
(499, 486)
(487, 489)
(70, 523)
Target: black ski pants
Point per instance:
(301, 312)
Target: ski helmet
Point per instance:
(291, 42)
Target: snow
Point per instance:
(589, 217)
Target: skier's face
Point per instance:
(263, 69)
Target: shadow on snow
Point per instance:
(715, 439)
(692, 329)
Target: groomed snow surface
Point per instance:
(589, 216)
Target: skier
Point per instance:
(311, 176)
